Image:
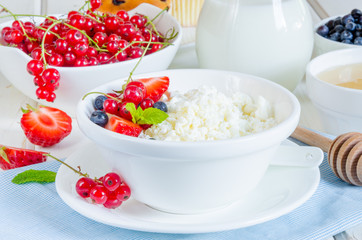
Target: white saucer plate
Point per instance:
(281, 190)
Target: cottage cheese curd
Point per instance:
(207, 114)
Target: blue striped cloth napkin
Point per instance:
(36, 212)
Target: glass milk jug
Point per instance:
(272, 39)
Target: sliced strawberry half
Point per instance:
(123, 126)
(45, 126)
(11, 157)
(155, 86)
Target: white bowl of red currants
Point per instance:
(338, 32)
(85, 50)
(189, 163)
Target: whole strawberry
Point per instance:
(11, 157)
(45, 126)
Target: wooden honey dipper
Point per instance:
(344, 152)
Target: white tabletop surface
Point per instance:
(11, 100)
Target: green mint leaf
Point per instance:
(131, 107)
(153, 116)
(39, 176)
(147, 116)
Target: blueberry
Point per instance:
(347, 41)
(98, 102)
(347, 18)
(160, 105)
(356, 13)
(99, 117)
(330, 24)
(358, 27)
(358, 41)
(358, 34)
(346, 35)
(351, 26)
(335, 36)
(338, 28)
(323, 30)
(337, 21)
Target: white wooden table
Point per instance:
(11, 100)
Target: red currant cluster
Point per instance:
(84, 38)
(109, 190)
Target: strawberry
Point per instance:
(11, 157)
(45, 126)
(123, 126)
(155, 87)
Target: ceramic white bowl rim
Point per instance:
(276, 133)
(175, 41)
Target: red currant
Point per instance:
(51, 75)
(122, 14)
(80, 49)
(81, 62)
(133, 94)
(98, 194)
(69, 59)
(56, 59)
(146, 103)
(135, 52)
(112, 181)
(36, 53)
(95, 4)
(123, 112)
(138, 20)
(111, 23)
(61, 45)
(100, 38)
(73, 36)
(113, 46)
(39, 81)
(112, 201)
(139, 85)
(35, 67)
(123, 192)
(83, 186)
(103, 58)
(110, 106)
(78, 21)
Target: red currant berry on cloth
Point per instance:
(112, 181)
(83, 186)
(133, 94)
(35, 67)
(98, 194)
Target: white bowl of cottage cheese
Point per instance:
(216, 145)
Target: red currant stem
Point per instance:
(153, 19)
(109, 96)
(86, 3)
(73, 169)
(91, 17)
(55, 22)
(139, 60)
